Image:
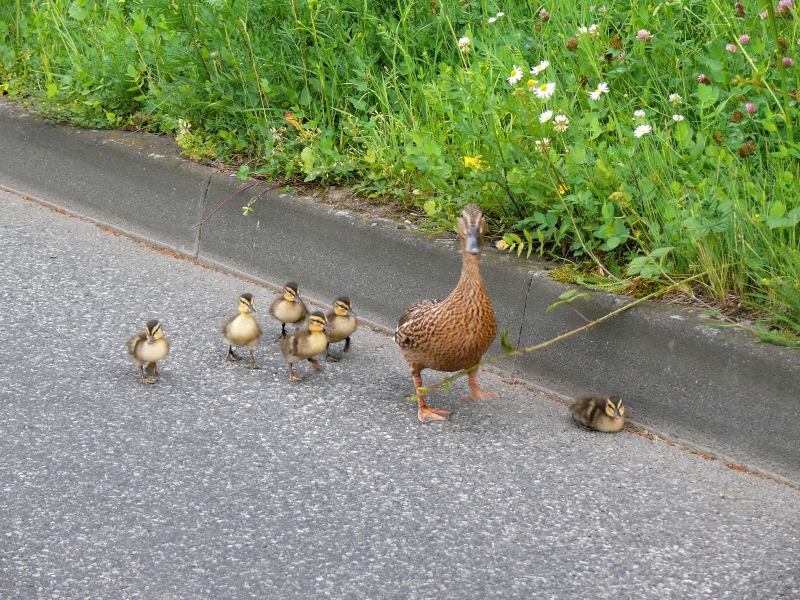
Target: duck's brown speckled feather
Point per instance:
(453, 333)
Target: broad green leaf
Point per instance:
(661, 252)
(707, 94)
(308, 158)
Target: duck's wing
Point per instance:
(410, 318)
(228, 323)
(134, 342)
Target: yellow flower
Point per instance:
(501, 245)
(563, 188)
(474, 162)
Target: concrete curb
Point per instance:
(715, 389)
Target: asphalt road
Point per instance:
(221, 482)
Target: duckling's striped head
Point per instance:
(291, 292)
(471, 227)
(317, 321)
(247, 303)
(343, 307)
(614, 408)
(153, 330)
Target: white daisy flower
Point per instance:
(543, 145)
(602, 88)
(677, 118)
(544, 91)
(639, 114)
(491, 20)
(675, 99)
(463, 44)
(545, 116)
(560, 123)
(515, 75)
(540, 67)
(642, 130)
(501, 14)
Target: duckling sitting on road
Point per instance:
(602, 413)
(243, 330)
(306, 344)
(288, 308)
(342, 323)
(451, 334)
(147, 348)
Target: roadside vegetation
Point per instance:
(641, 142)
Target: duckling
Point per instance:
(306, 344)
(288, 308)
(603, 413)
(243, 330)
(451, 334)
(342, 322)
(147, 348)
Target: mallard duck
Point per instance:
(306, 344)
(342, 323)
(451, 334)
(147, 348)
(603, 413)
(288, 308)
(242, 330)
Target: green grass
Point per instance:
(382, 97)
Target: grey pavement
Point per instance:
(220, 482)
(718, 390)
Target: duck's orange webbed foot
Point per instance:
(427, 413)
(476, 393)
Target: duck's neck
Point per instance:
(470, 280)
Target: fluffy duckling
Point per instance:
(243, 330)
(342, 323)
(147, 348)
(306, 344)
(288, 308)
(602, 413)
(451, 334)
